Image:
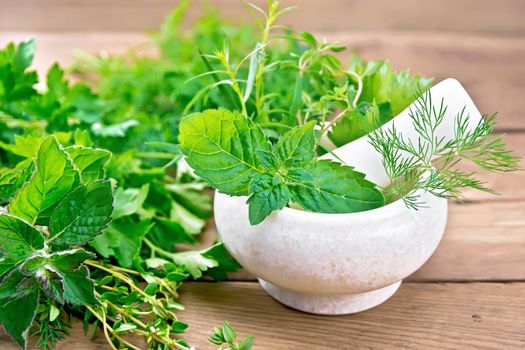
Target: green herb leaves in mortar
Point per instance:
(221, 147)
(232, 153)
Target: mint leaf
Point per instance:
(78, 287)
(11, 180)
(10, 286)
(70, 260)
(221, 147)
(82, 214)
(122, 241)
(54, 176)
(56, 269)
(90, 162)
(329, 187)
(18, 239)
(296, 147)
(6, 266)
(17, 316)
(268, 194)
(129, 201)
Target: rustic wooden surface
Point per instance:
(471, 293)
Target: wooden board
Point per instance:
(419, 316)
(480, 16)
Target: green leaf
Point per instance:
(192, 196)
(24, 146)
(69, 260)
(179, 327)
(78, 287)
(382, 84)
(309, 39)
(247, 343)
(6, 265)
(58, 271)
(54, 176)
(267, 196)
(226, 263)
(122, 241)
(82, 215)
(18, 239)
(11, 180)
(129, 201)
(10, 285)
(194, 262)
(329, 187)
(296, 147)
(360, 122)
(221, 147)
(54, 312)
(24, 55)
(82, 138)
(90, 162)
(190, 222)
(17, 316)
(228, 332)
(166, 233)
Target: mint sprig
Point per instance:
(233, 155)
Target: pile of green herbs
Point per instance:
(117, 267)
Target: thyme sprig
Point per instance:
(431, 162)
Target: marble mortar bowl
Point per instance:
(334, 264)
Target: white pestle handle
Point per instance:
(361, 155)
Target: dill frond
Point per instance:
(430, 162)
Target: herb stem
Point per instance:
(359, 86)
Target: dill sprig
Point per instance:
(430, 162)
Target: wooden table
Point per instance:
(471, 293)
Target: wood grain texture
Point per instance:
(480, 16)
(419, 316)
(490, 68)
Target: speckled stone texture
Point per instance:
(343, 263)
